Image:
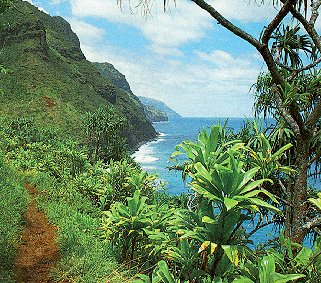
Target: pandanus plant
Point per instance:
(228, 194)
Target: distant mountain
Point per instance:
(155, 115)
(108, 71)
(159, 105)
(152, 113)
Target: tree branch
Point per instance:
(311, 262)
(315, 14)
(259, 227)
(307, 67)
(276, 21)
(308, 27)
(284, 113)
(314, 116)
(227, 24)
(262, 48)
(315, 222)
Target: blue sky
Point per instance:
(182, 57)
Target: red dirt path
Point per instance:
(38, 251)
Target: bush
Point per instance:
(13, 203)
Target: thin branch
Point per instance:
(311, 262)
(316, 221)
(276, 21)
(227, 24)
(316, 113)
(317, 230)
(259, 227)
(314, 116)
(308, 27)
(315, 13)
(316, 62)
(264, 51)
(288, 118)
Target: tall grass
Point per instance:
(13, 204)
(85, 257)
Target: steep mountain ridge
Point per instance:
(159, 105)
(52, 80)
(155, 110)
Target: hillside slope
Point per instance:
(159, 105)
(109, 71)
(52, 81)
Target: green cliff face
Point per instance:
(160, 106)
(52, 81)
(118, 79)
(155, 115)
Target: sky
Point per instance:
(182, 57)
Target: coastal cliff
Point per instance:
(53, 83)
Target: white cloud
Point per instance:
(87, 33)
(213, 84)
(39, 8)
(182, 24)
(164, 30)
(56, 2)
(223, 59)
(245, 10)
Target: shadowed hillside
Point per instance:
(53, 82)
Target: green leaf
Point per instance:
(230, 203)
(264, 204)
(281, 151)
(203, 171)
(206, 219)
(164, 273)
(242, 279)
(254, 185)
(247, 177)
(267, 269)
(232, 253)
(283, 278)
(204, 192)
(316, 202)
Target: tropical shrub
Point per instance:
(210, 240)
(13, 203)
(104, 139)
(131, 226)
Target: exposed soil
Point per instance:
(49, 101)
(38, 251)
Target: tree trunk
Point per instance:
(299, 201)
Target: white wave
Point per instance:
(162, 134)
(145, 154)
(157, 141)
(145, 159)
(149, 168)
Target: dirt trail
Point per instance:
(38, 250)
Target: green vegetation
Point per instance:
(155, 115)
(73, 191)
(110, 214)
(160, 106)
(290, 46)
(210, 239)
(13, 203)
(63, 127)
(56, 85)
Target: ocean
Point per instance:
(154, 156)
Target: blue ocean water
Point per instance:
(154, 156)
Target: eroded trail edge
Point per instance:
(38, 251)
